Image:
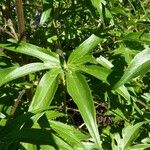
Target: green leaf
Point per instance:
(130, 134)
(32, 50)
(46, 147)
(45, 16)
(138, 66)
(63, 130)
(14, 126)
(53, 114)
(12, 73)
(100, 73)
(140, 147)
(84, 49)
(29, 146)
(98, 5)
(122, 90)
(127, 53)
(81, 94)
(45, 90)
(138, 36)
(119, 10)
(42, 137)
(104, 62)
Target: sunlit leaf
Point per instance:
(32, 50)
(81, 94)
(104, 62)
(122, 90)
(140, 147)
(84, 49)
(130, 134)
(100, 73)
(29, 146)
(45, 16)
(138, 66)
(12, 73)
(45, 90)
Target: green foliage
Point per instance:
(78, 78)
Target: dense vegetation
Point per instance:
(74, 75)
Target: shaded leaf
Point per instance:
(127, 53)
(71, 138)
(42, 137)
(138, 36)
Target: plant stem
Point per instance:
(20, 16)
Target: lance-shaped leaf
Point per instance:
(45, 16)
(32, 50)
(122, 90)
(73, 138)
(138, 36)
(129, 134)
(43, 137)
(80, 92)
(138, 66)
(140, 147)
(45, 90)
(38, 137)
(98, 5)
(12, 73)
(100, 73)
(47, 8)
(84, 49)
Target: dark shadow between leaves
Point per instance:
(118, 69)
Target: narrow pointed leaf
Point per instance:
(29, 146)
(12, 73)
(45, 16)
(138, 66)
(122, 90)
(100, 73)
(45, 90)
(39, 137)
(84, 49)
(130, 134)
(81, 94)
(98, 5)
(138, 36)
(32, 50)
(63, 130)
(104, 62)
(140, 147)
